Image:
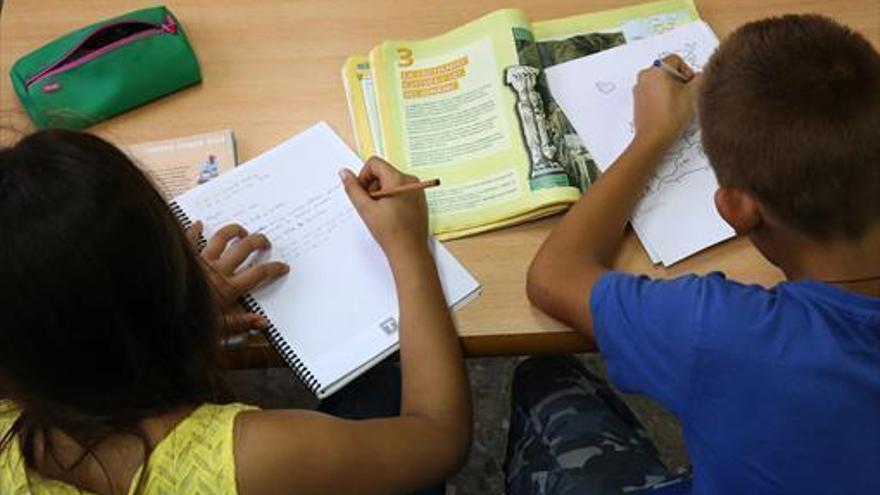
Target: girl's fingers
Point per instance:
(217, 243)
(355, 191)
(242, 321)
(258, 275)
(377, 169)
(239, 251)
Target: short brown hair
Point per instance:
(790, 112)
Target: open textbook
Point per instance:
(473, 108)
(335, 314)
(676, 216)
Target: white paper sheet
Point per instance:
(334, 306)
(676, 217)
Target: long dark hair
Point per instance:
(107, 317)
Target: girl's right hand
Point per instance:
(399, 223)
(304, 451)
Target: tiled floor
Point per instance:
(490, 385)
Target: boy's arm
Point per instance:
(580, 249)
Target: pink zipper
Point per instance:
(168, 27)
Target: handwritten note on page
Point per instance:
(676, 216)
(337, 308)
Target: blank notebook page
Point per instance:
(337, 308)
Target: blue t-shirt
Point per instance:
(778, 391)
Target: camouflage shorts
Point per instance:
(571, 434)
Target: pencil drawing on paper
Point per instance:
(687, 52)
(684, 159)
(606, 87)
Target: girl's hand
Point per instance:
(399, 223)
(663, 104)
(222, 259)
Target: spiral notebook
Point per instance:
(335, 314)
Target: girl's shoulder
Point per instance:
(197, 452)
(205, 417)
(9, 413)
(13, 478)
(211, 423)
(212, 416)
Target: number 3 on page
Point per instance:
(406, 57)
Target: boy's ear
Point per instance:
(739, 209)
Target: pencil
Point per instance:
(672, 71)
(415, 186)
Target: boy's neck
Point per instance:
(850, 265)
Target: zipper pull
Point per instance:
(169, 26)
(51, 87)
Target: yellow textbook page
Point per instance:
(358, 82)
(462, 107)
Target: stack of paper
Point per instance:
(676, 217)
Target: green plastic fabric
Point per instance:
(87, 80)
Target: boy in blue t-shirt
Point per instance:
(777, 390)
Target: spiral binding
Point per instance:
(282, 348)
(178, 212)
(273, 336)
(184, 220)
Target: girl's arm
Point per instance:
(306, 452)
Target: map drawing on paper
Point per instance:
(687, 52)
(676, 215)
(685, 158)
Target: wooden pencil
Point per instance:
(415, 186)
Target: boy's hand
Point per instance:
(399, 223)
(664, 105)
(222, 259)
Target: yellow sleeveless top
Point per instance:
(196, 457)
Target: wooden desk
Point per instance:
(271, 68)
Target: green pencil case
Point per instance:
(104, 69)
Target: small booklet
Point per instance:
(335, 314)
(180, 164)
(676, 216)
(473, 108)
